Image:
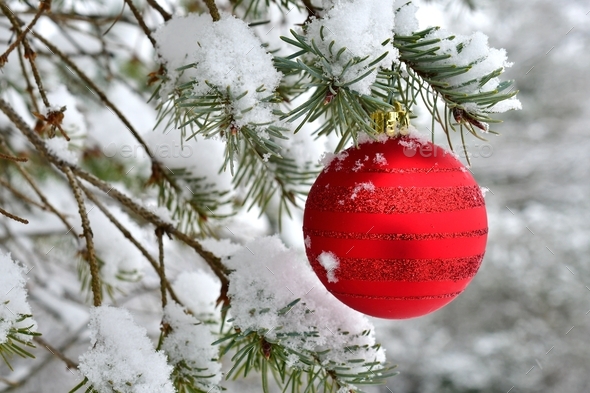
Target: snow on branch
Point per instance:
(121, 357)
(17, 327)
(354, 38)
(224, 57)
(275, 294)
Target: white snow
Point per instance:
(13, 298)
(327, 159)
(121, 357)
(369, 186)
(267, 277)
(60, 147)
(198, 291)
(360, 27)
(121, 260)
(189, 345)
(225, 54)
(380, 159)
(406, 21)
(330, 262)
(473, 51)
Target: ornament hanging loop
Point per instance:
(392, 123)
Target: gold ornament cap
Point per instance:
(392, 122)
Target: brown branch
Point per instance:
(22, 196)
(29, 89)
(92, 86)
(37, 190)
(220, 270)
(213, 10)
(44, 5)
(13, 158)
(70, 364)
(130, 237)
(29, 53)
(311, 10)
(154, 4)
(87, 232)
(141, 22)
(162, 270)
(12, 216)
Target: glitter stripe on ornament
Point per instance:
(395, 236)
(400, 179)
(367, 199)
(427, 297)
(409, 270)
(413, 171)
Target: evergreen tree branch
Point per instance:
(311, 10)
(161, 270)
(70, 364)
(29, 53)
(22, 196)
(213, 10)
(141, 22)
(154, 4)
(132, 239)
(44, 6)
(29, 87)
(87, 232)
(41, 196)
(212, 260)
(160, 174)
(13, 216)
(427, 69)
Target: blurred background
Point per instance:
(523, 325)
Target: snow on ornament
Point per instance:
(403, 222)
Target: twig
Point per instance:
(37, 190)
(212, 260)
(154, 4)
(162, 270)
(44, 5)
(29, 53)
(141, 22)
(13, 158)
(69, 363)
(87, 232)
(29, 89)
(213, 10)
(93, 87)
(311, 11)
(22, 196)
(12, 216)
(132, 239)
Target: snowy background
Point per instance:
(524, 322)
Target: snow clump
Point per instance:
(13, 299)
(121, 357)
(221, 54)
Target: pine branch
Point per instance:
(44, 6)
(87, 232)
(15, 343)
(141, 22)
(467, 102)
(213, 10)
(345, 110)
(214, 262)
(295, 369)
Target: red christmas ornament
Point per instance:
(395, 229)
